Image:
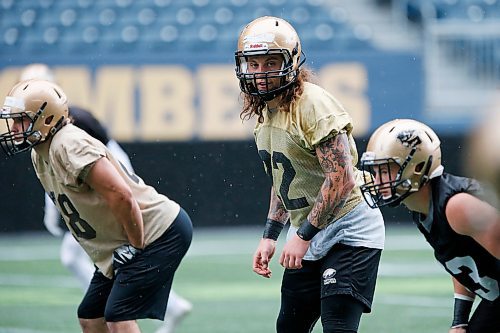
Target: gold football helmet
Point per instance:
(41, 102)
(409, 145)
(265, 36)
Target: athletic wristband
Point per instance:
(307, 231)
(461, 312)
(272, 229)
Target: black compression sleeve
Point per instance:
(307, 231)
(461, 312)
(272, 229)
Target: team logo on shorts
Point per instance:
(328, 276)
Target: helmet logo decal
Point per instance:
(409, 139)
(14, 102)
(368, 156)
(256, 46)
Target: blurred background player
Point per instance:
(72, 255)
(482, 158)
(303, 136)
(404, 158)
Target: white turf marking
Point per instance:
(213, 243)
(417, 301)
(406, 242)
(24, 254)
(205, 243)
(411, 270)
(20, 330)
(54, 281)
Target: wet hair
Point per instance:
(254, 105)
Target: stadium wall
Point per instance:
(197, 98)
(220, 183)
(177, 117)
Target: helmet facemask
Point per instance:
(391, 188)
(33, 112)
(410, 150)
(14, 143)
(267, 36)
(287, 74)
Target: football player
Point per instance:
(72, 255)
(303, 136)
(135, 236)
(482, 158)
(403, 158)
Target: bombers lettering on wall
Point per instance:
(175, 103)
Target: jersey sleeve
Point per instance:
(73, 157)
(322, 117)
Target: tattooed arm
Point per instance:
(336, 161)
(276, 219)
(277, 211)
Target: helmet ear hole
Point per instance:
(419, 167)
(48, 120)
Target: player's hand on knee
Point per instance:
(124, 255)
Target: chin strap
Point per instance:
(425, 178)
(57, 126)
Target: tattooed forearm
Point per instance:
(336, 162)
(277, 210)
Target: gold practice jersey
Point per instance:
(286, 142)
(72, 153)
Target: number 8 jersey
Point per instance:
(62, 173)
(461, 256)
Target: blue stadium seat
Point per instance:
(154, 26)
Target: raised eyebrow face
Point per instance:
(271, 58)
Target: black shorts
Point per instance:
(485, 318)
(141, 288)
(345, 270)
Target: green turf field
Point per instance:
(37, 295)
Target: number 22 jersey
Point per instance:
(287, 142)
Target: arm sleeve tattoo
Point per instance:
(336, 161)
(277, 211)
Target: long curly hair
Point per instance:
(254, 105)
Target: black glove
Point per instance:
(124, 255)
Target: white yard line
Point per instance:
(418, 301)
(206, 242)
(411, 270)
(20, 330)
(54, 281)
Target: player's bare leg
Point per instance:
(129, 326)
(94, 325)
